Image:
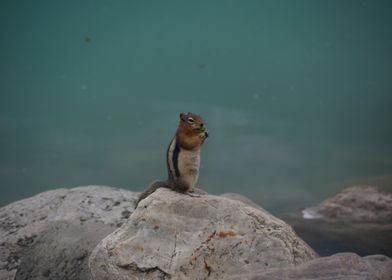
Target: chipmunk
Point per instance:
(182, 156)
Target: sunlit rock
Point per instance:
(176, 236)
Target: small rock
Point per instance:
(358, 219)
(364, 204)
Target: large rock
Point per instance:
(343, 266)
(244, 199)
(176, 236)
(359, 219)
(51, 235)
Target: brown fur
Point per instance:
(190, 135)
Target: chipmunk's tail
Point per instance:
(152, 188)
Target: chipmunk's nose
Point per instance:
(206, 134)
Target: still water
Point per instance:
(297, 95)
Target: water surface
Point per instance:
(296, 94)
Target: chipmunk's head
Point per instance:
(191, 130)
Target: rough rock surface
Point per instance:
(243, 199)
(364, 204)
(343, 266)
(176, 236)
(50, 235)
(359, 219)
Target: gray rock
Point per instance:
(50, 235)
(243, 199)
(176, 236)
(343, 266)
(359, 219)
(364, 204)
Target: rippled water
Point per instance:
(297, 95)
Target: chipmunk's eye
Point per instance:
(190, 120)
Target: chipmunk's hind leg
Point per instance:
(196, 192)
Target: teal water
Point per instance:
(297, 95)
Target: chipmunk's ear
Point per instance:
(182, 116)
